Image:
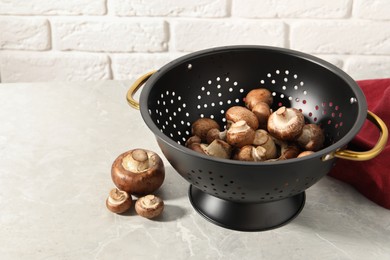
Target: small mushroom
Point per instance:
(288, 151)
(202, 125)
(138, 172)
(149, 206)
(263, 139)
(240, 134)
(217, 148)
(262, 112)
(304, 153)
(251, 154)
(118, 201)
(214, 133)
(258, 95)
(286, 123)
(312, 138)
(193, 139)
(238, 113)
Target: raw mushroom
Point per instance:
(149, 206)
(263, 139)
(240, 134)
(217, 148)
(193, 139)
(214, 133)
(258, 95)
(289, 151)
(138, 172)
(118, 201)
(238, 113)
(262, 112)
(312, 138)
(251, 153)
(286, 123)
(202, 125)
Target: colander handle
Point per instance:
(134, 88)
(377, 149)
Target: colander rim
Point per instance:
(359, 95)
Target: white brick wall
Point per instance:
(50, 40)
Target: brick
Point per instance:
(111, 35)
(200, 8)
(341, 37)
(373, 9)
(24, 33)
(297, 9)
(368, 67)
(132, 66)
(192, 35)
(53, 66)
(53, 7)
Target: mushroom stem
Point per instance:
(117, 197)
(137, 161)
(150, 201)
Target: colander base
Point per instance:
(246, 216)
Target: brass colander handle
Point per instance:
(377, 149)
(134, 88)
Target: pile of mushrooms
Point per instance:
(137, 172)
(256, 133)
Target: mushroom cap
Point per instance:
(240, 134)
(286, 123)
(213, 134)
(312, 137)
(238, 113)
(149, 206)
(202, 125)
(251, 154)
(244, 154)
(118, 201)
(138, 182)
(262, 112)
(258, 95)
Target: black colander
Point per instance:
(251, 196)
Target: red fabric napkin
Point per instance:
(372, 177)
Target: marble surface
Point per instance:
(57, 144)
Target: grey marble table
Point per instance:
(57, 144)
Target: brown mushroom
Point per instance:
(118, 201)
(286, 123)
(312, 138)
(262, 112)
(214, 133)
(289, 151)
(217, 148)
(258, 95)
(149, 206)
(193, 139)
(238, 113)
(138, 172)
(202, 125)
(251, 153)
(263, 139)
(240, 134)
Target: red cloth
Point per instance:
(372, 177)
